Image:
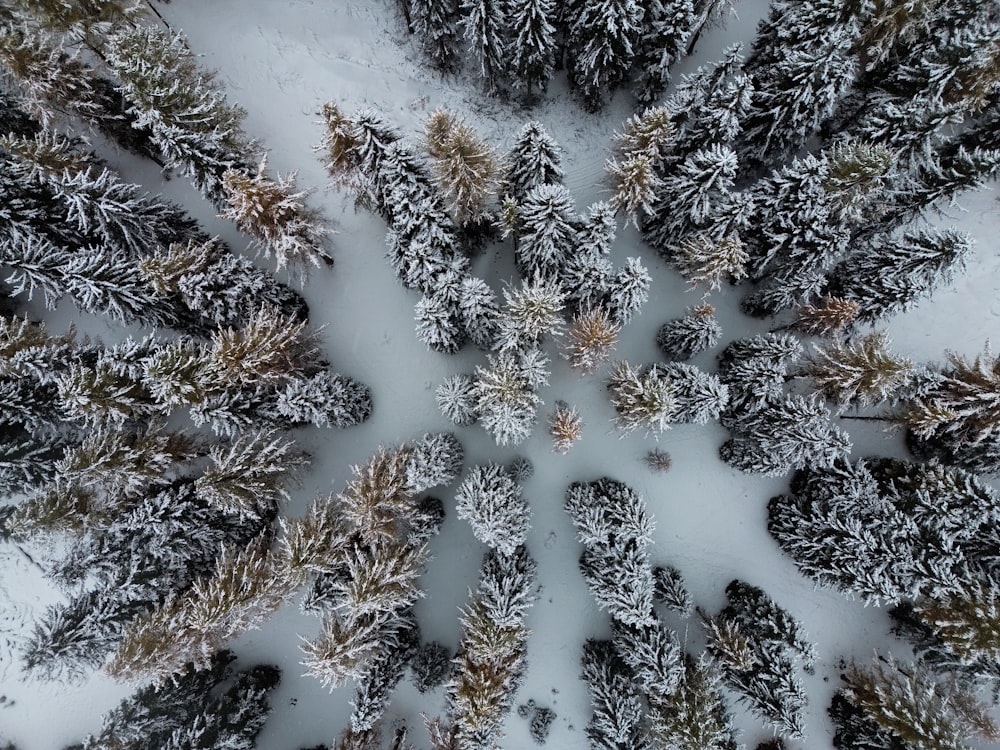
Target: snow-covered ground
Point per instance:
(281, 61)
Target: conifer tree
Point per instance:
(491, 501)
(642, 398)
(860, 374)
(906, 706)
(590, 340)
(505, 397)
(891, 274)
(627, 291)
(602, 42)
(547, 235)
(666, 27)
(274, 214)
(831, 315)
(783, 433)
(709, 262)
(802, 63)
(436, 22)
(771, 646)
(464, 163)
(456, 400)
(682, 338)
(695, 717)
(955, 417)
(200, 708)
(532, 44)
(533, 160)
(492, 654)
(531, 313)
(843, 524)
(565, 427)
(696, 199)
(191, 123)
(485, 25)
(618, 721)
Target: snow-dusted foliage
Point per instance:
(890, 704)
(465, 167)
(492, 654)
(533, 160)
(783, 433)
(655, 396)
(491, 501)
(601, 45)
(275, 215)
(887, 530)
(860, 373)
(954, 418)
(191, 124)
(436, 21)
(201, 708)
(683, 338)
(891, 274)
(618, 720)
(755, 368)
(565, 427)
(590, 340)
(762, 668)
(505, 398)
(696, 716)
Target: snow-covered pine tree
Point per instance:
(191, 124)
(533, 160)
(456, 399)
(492, 654)
(698, 396)
(958, 633)
(565, 427)
(205, 707)
(783, 433)
(246, 586)
(905, 706)
(505, 398)
(430, 666)
(627, 291)
(802, 63)
(669, 589)
(590, 340)
(436, 22)
(642, 398)
(491, 501)
(696, 716)
(546, 235)
(665, 30)
(465, 165)
(616, 531)
(955, 417)
(53, 80)
(223, 289)
(325, 399)
(766, 678)
(602, 43)
(755, 368)
(124, 568)
(530, 313)
(709, 262)
(435, 459)
(708, 106)
(249, 477)
(861, 373)
(532, 44)
(829, 316)
(890, 274)
(486, 24)
(682, 338)
(438, 324)
(696, 198)
(886, 530)
(276, 216)
(618, 721)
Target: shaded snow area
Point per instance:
(281, 61)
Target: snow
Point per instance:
(281, 61)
